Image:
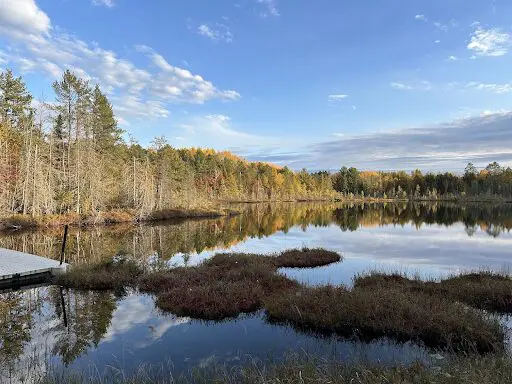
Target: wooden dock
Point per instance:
(18, 269)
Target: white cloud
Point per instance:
(400, 86)
(496, 88)
(339, 97)
(23, 19)
(221, 124)
(437, 41)
(489, 42)
(271, 8)
(440, 26)
(216, 131)
(453, 58)
(137, 312)
(417, 86)
(133, 105)
(147, 90)
(421, 17)
(106, 3)
(219, 32)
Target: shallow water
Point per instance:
(98, 330)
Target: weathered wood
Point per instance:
(18, 268)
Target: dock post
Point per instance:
(64, 244)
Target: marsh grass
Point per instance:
(439, 315)
(113, 275)
(372, 313)
(222, 287)
(307, 258)
(494, 369)
(485, 290)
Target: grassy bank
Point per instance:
(469, 370)
(18, 222)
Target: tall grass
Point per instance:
(484, 290)
(494, 369)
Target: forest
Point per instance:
(494, 182)
(70, 156)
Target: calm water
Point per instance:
(94, 331)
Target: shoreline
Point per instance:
(21, 222)
(17, 222)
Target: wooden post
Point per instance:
(64, 244)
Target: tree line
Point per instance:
(70, 156)
(491, 182)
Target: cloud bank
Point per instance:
(449, 146)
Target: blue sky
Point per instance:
(317, 84)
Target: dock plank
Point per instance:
(14, 263)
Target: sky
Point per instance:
(376, 84)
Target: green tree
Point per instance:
(15, 99)
(106, 133)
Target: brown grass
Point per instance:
(494, 369)
(484, 290)
(399, 314)
(185, 213)
(307, 258)
(378, 305)
(17, 222)
(114, 216)
(228, 284)
(108, 275)
(222, 287)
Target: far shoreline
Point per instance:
(17, 222)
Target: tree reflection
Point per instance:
(88, 314)
(167, 239)
(15, 325)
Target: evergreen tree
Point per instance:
(106, 133)
(15, 100)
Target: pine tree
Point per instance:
(15, 100)
(106, 133)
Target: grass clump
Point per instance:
(222, 287)
(228, 284)
(483, 290)
(307, 258)
(108, 275)
(399, 314)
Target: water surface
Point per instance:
(93, 331)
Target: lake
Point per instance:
(50, 328)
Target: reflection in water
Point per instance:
(88, 317)
(42, 326)
(165, 240)
(15, 324)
